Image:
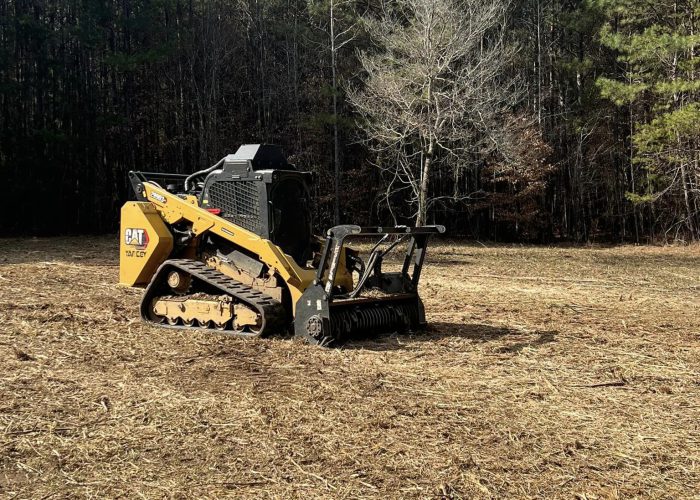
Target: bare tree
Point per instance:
(337, 37)
(433, 90)
(207, 55)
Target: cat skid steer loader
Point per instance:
(230, 249)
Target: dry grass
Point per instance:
(548, 372)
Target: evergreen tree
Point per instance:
(657, 42)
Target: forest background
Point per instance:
(538, 120)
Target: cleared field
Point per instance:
(549, 372)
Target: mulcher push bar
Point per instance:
(326, 315)
(337, 236)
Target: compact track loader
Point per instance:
(230, 249)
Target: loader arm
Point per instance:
(175, 209)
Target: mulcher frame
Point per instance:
(326, 315)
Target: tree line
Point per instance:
(534, 121)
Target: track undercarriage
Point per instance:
(188, 294)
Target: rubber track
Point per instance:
(271, 311)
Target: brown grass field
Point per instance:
(546, 372)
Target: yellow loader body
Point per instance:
(230, 248)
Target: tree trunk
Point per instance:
(690, 223)
(336, 146)
(422, 218)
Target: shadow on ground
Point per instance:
(515, 339)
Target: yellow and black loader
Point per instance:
(230, 248)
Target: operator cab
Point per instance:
(258, 190)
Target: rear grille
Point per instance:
(239, 202)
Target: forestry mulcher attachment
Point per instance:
(230, 249)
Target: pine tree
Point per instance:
(657, 42)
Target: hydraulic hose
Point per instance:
(203, 172)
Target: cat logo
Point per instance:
(136, 238)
